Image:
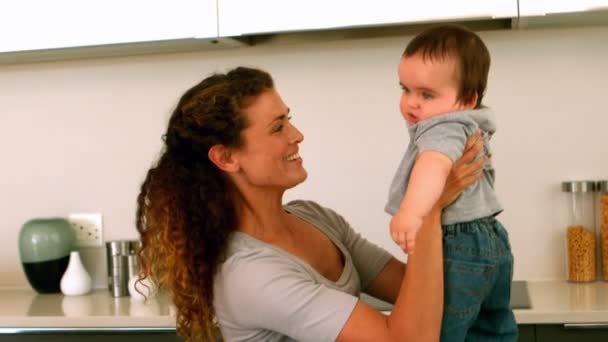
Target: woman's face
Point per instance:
(269, 156)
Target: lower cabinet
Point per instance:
(33, 335)
(562, 333)
(91, 337)
(527, 333)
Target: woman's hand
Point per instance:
(464, 172)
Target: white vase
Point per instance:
(75, 281)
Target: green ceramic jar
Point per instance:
(44, 249)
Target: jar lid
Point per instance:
(602, 186)
(578, 186)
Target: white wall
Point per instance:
(79, 135)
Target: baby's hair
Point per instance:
(454, 41)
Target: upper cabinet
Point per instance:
(241, 17)
(543, 7)
(41, 30)
(40, 25)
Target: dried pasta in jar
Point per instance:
(581, 236)
(581, 254)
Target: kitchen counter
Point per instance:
(558, 302)
(553, 302)
(22, 309)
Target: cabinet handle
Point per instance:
(586, 326)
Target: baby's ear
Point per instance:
(471, 102)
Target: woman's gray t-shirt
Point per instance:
(262, 293)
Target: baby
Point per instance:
(443, 74)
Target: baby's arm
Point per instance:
(426, 183)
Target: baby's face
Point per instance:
(430, 88)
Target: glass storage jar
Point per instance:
(602, 211)
(580, 233)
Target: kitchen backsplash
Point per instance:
(78, 136)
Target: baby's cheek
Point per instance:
(402, 107)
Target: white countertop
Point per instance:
(24, 308)
(553, 302)
(561, 302)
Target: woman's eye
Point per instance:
(280, 127)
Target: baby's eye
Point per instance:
(405, 89)
(427, 95)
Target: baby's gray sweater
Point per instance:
(448, 134)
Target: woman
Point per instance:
(216, 234)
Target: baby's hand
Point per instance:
(404, 228)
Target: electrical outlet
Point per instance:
(88, 228)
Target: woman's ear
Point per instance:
(222, 157)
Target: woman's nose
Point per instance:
(296, 136)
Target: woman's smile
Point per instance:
(294, 157)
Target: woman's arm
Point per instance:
(387, 283)
(416, 315)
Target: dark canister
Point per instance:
(44, 250)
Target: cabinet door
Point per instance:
(238, 17)
(39, 24)
(573, 333)
(542, 7)
(527, 333)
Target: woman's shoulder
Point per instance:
(250, 265)
(249, 278)
(248, 259)
(310, 209)
(322, 217)
(242, 247)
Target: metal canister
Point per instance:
(117, 256)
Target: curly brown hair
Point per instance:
(185, 209)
